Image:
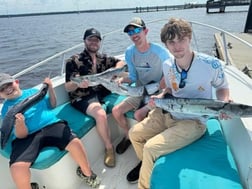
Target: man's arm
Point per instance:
(120, 64)
(71, 86)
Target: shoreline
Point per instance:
(170, 7)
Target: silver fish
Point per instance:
(92, 79)
(111, 73)
(122, 89)
(9, 119)
(108, 80)
(202, 107)
(152, 88)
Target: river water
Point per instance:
(25, 41)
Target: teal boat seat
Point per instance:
(113, 99)
(77, 121)
(205, 164)
(80, 125)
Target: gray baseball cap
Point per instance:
(5, 78)
(135, 22)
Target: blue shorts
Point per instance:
(54, 135)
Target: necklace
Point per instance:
(184, 70)
(183, 73)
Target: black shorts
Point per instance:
(82, 104)
(27, 149)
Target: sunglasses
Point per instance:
(5, 86)
(183, 76)
(134, 31)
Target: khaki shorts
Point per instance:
(136, 102)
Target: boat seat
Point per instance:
(113, 99)
(205, 164)
(78, 122)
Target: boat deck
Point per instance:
(114, 178)
(239, 54)
(111, 178)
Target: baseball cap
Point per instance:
(5, 78)
(91, 32)
(135, 22)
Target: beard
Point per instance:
(92, 49)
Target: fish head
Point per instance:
(44, 89)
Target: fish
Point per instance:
(111, 73)
(122, 89)
(9, 119)
(152, 88)
(92, 79)
(202, 107)
(108, 80)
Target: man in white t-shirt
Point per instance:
(188, 74)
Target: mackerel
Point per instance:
(108, 80)
(202, 107)
(122, 89)
(92, 79)
(152, 88)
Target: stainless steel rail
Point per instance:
(62, 53)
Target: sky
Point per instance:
(40, 6)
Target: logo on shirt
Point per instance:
(200, 88)
(173, 79)
(146, 65)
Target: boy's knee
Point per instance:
(117, 111)
(114, 110)
(102, 115)
(20, 166)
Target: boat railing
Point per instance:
(59, 54)
(224, 41)
(63, 53)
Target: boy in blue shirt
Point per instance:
(37, 128)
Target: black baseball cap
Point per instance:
(92, 32)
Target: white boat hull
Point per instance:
(237, 132)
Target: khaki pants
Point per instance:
(159, 134)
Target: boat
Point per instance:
(221, 159)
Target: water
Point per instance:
(25, 41)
